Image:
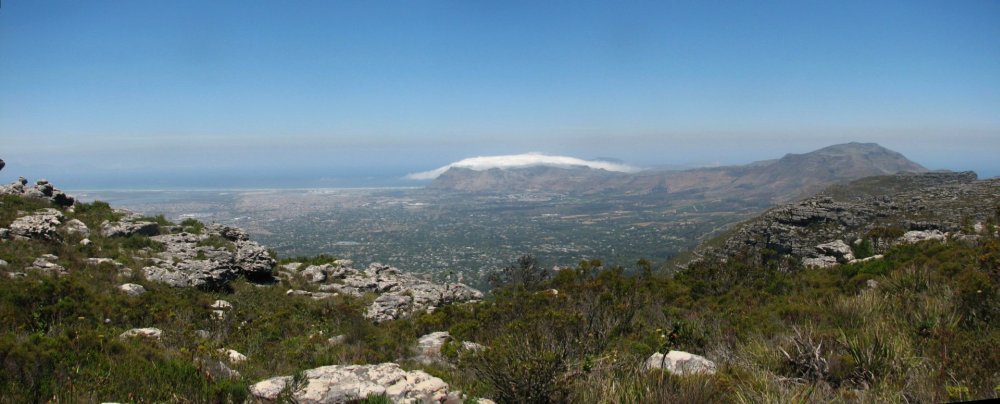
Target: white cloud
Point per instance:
(483, 163)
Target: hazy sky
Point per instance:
(97, 93)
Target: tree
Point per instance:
(525, 273)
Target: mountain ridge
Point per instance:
(777, 180)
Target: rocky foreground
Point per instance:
(210, 258)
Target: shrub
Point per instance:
(217, 241)
(192, 225)
(524, 274)
(138, 242)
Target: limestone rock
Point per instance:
(233, 356)
(315, 273)
(148, 332)
(339, 384)
(313, 295)
(41, 190)
(681, 363)
(292, 266)
(400, 294)
(132, 289)
(271, 388)
(75, 226)
(229, 232)
(429, 347)
(837, 249)
(916, 236)
(101, 261)
(46, 264)
(41, 225)
(202, 274)
(253, 260)
(472, 346)
(187, 262)
(215, 369)
(221, 305)
(126, 228)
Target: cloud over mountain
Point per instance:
(483, 163)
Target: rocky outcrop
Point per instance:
(132, 289)
(47, 265)
(128, 227)
(400, 294)
(430, 347)
(77, 227)
(680, 363)
(309, 294)
(829, 254)
(887, 210)
(253, 260)
(342, 384)
(200, 273)
(214, 369)
(41, 190)
(233, 356)
(148, 332)
(193, 260)
(41, 225)
(916, 236)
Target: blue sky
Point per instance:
(156, 93)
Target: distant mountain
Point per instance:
(771, 181)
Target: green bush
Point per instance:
(217, 241)
(192, 225)
(138, 242)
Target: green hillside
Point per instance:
(918, 325)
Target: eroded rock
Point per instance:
(41, 190)
(340, 384)
(681, 363)
(190, 261)
(47, 264)
(148, 332)
(41, 225)
(132, 289)
(400, 294)
(233, 356)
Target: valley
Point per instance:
(449, 236)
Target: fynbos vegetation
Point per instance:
(82, 322)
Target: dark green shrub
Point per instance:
(863, 249)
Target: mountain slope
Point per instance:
(870, 214)
(784, 179)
